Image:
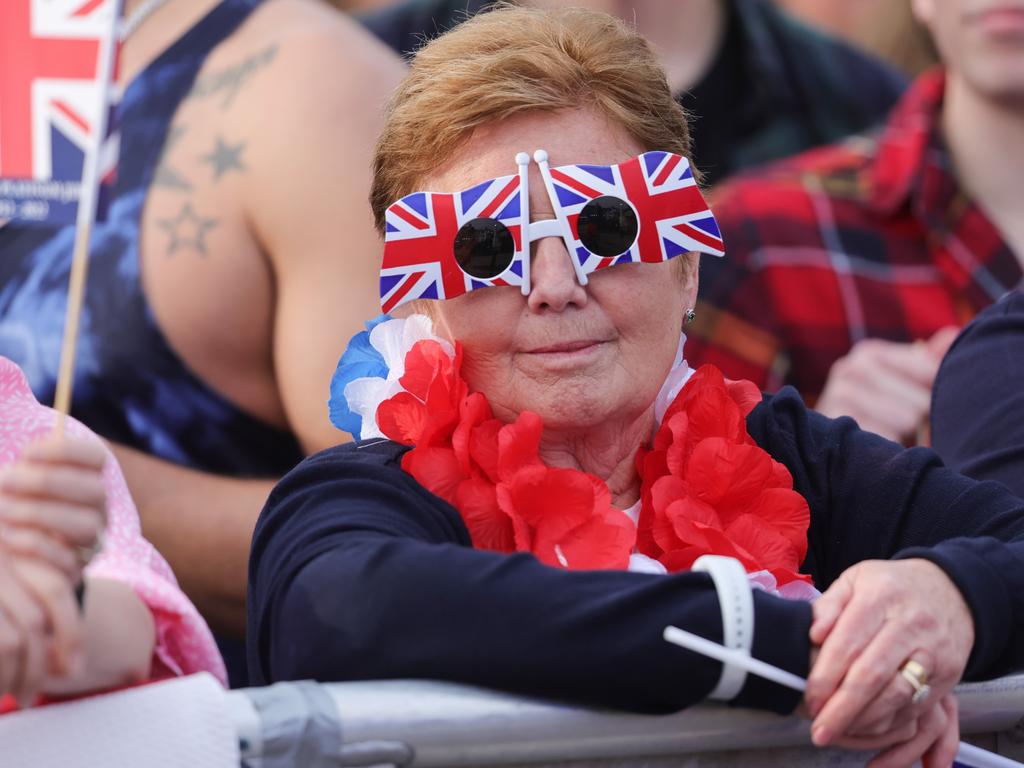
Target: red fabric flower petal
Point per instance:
(730, 477)
(604, 541)
(769, 548)
(401, 418)
(570, 521)
(745, 394)
(787, 512)
(436, 469)
(714, 414)
(785, 576)
(483, 448)
(518, 444)
(489, 527)
(474, 411)
(554, 499)
(424, 363)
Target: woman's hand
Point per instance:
(930, 737)
(877, 616)
(53, 503)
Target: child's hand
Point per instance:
(53, 503)
(40, 626)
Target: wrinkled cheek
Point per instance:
(490, 372)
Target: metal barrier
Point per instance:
(418, 723)
(193, 723)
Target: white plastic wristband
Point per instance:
(737, 604)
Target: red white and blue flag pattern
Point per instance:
(420, 229)
(672, 216)
(54, 103)
(419, 234)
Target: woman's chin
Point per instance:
(567, 408)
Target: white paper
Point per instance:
(180, 722)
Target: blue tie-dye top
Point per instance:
(130, 386)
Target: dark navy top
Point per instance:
(978, 397)
(358, 572)
(130, 386)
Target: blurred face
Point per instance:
(579, 356)
(981, 42)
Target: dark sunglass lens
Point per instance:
(484, 248)
(607, 226)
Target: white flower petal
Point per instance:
(364, 395)
(674, 382)
(394, 338)
(643, 564)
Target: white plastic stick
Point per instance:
(540, 157)
(725, 655)
(966, 753)
(523, 162)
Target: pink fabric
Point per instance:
(184, 643)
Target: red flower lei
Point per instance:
(706, 487)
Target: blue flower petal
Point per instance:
(359, 360)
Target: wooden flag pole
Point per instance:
(85, 217)
(76, 295)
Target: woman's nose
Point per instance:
(553, 284)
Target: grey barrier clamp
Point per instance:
(298, 725)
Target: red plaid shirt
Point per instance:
(870, 238)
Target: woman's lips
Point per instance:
(1004, 20)
(566, 347)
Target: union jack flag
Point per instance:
(56, 102)
(671, 213)
(419, 259)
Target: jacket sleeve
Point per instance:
(359, 573)
(978, 397)
(872, 499)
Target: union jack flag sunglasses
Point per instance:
(442, 245)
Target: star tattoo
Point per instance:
(225, 157)
(187, 230)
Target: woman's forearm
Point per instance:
(118, 639)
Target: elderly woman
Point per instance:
(567, 470)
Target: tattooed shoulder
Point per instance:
(227, 82)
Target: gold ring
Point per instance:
(915, 674)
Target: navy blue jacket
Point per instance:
(978, 397)
(357, 572)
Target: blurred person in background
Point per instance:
(232, 261)
(758, 84)
(978, 397)
(886, 28)
(851, 267)
(67, 519)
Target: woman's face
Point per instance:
(579, 356)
